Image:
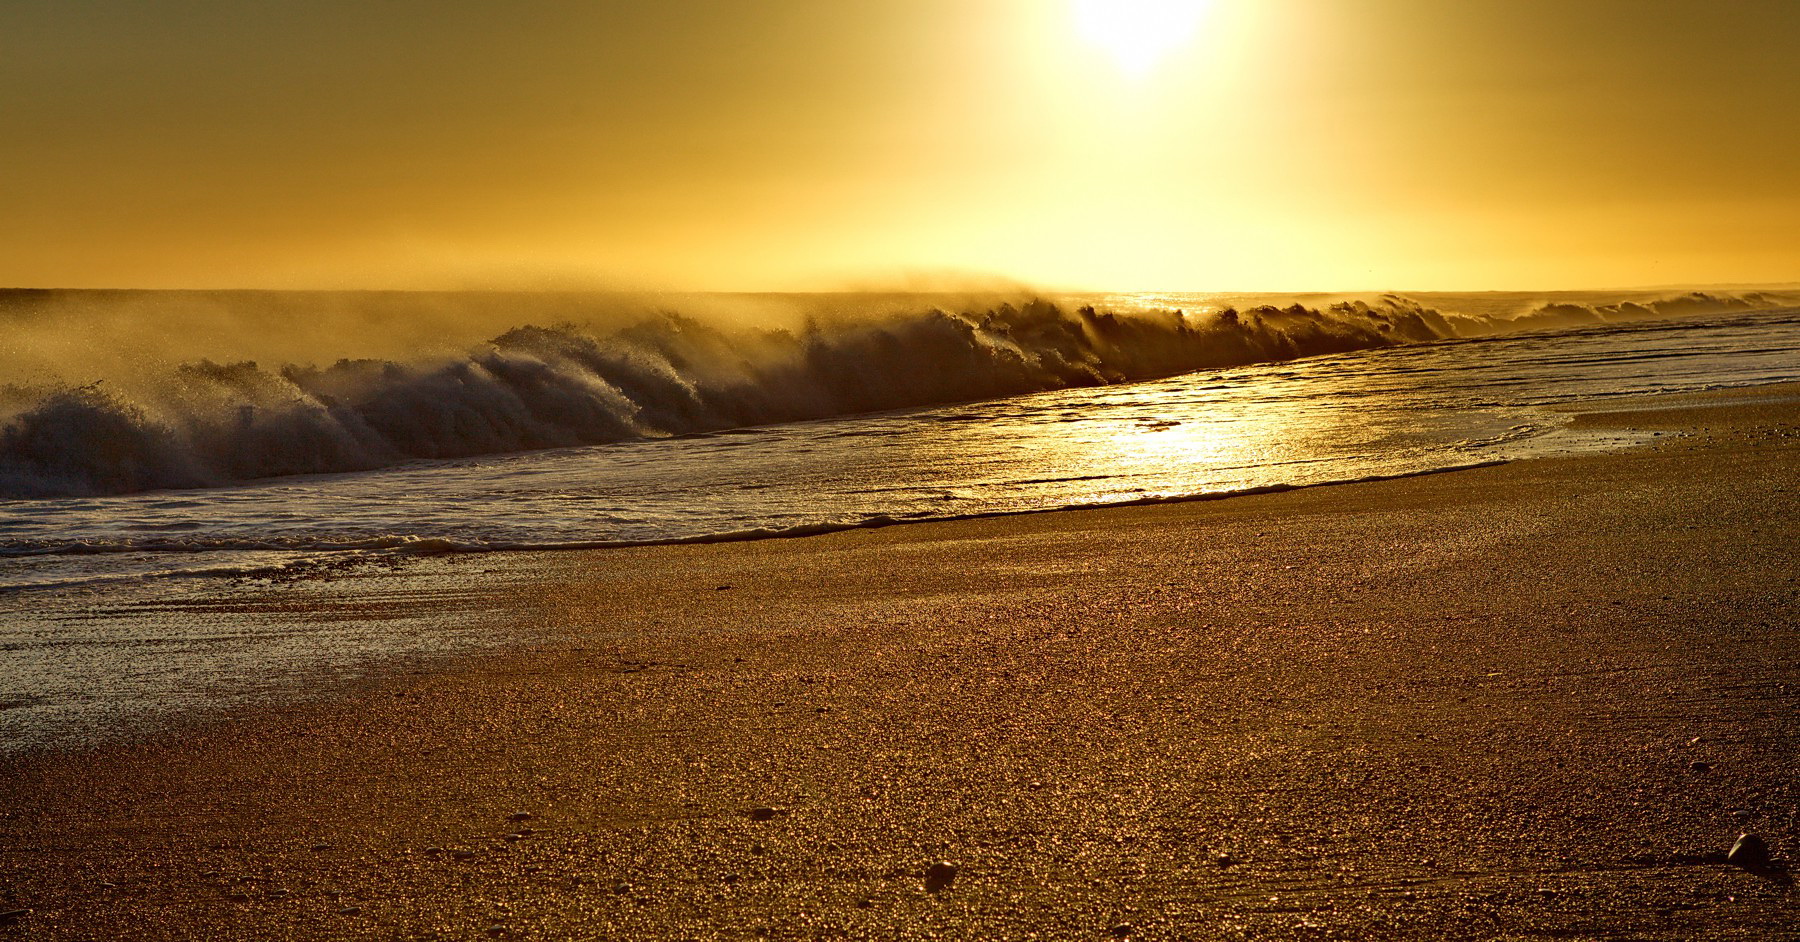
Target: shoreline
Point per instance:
(1451, 706)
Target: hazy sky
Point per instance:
(758, 144)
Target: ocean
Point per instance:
(208, 499)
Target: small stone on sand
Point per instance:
(939, 875)
(1749, 852)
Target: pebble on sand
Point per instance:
(1749, 852)
(939, 876)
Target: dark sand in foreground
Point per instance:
(1538, 700)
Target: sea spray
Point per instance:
(207, 422)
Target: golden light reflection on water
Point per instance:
(1183, 435)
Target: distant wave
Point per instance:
(208, 424)
(1563, 315)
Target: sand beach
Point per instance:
(1537, 700)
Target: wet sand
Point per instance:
(1536, 700)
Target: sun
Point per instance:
(1138, 33)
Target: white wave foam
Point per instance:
(305, 551)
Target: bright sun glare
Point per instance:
(1138, 33)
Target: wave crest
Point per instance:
(208, 423)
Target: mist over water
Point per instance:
(116, 392)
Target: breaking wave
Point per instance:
(208, 423)
(1566, 315)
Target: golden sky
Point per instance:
(794, 144)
